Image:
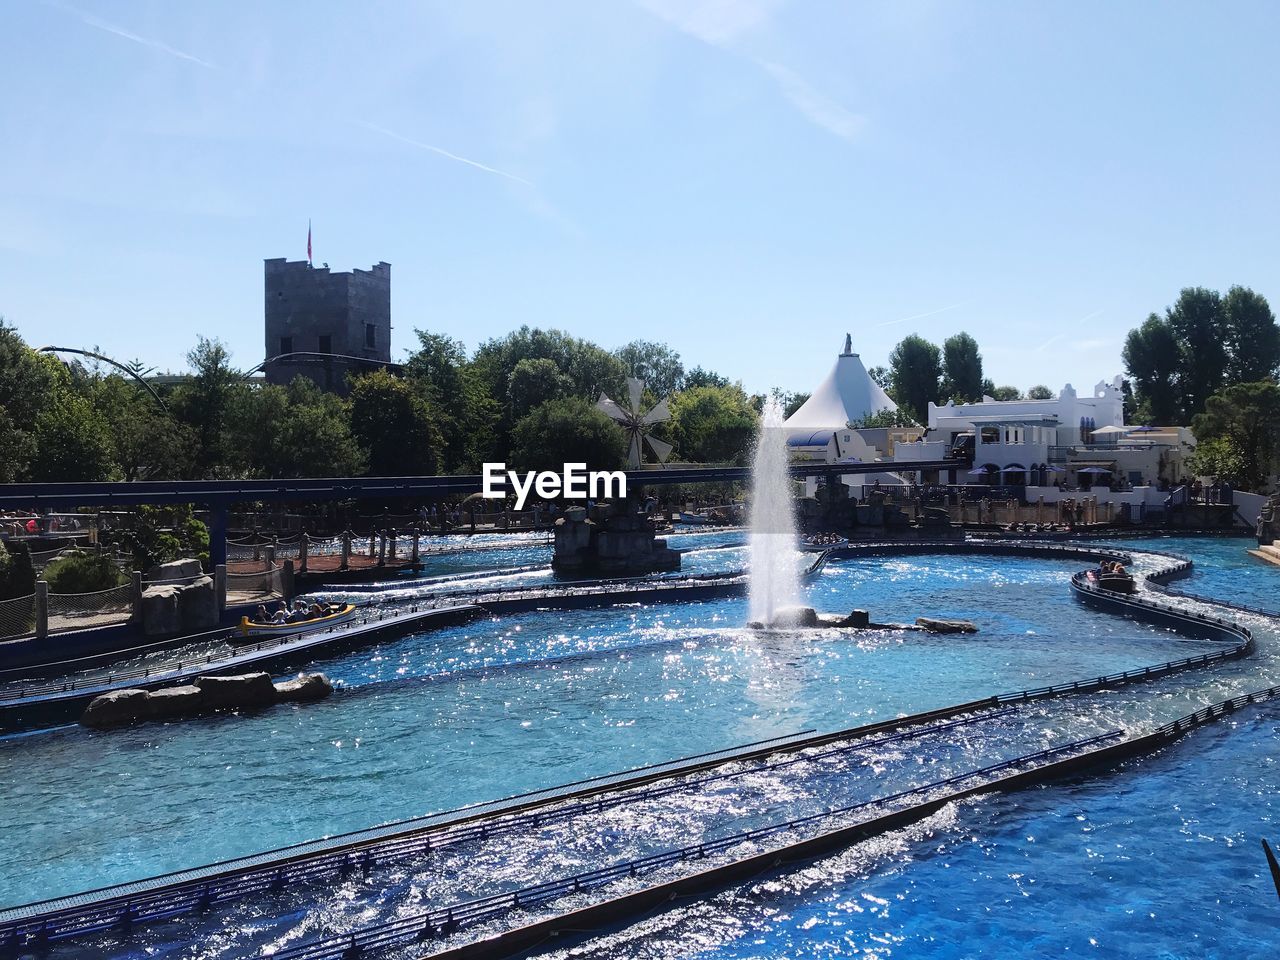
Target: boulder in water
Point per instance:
(247, 691)
(794, 617)
(175, 703)
(117, 709)
(304, 688)
(936, 625)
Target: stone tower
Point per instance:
(313, 311)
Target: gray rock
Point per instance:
(247, 691)
(174, 703)
(791, 617)
(174, 570)
(160, 611)
(935, 625)
(197, 606)
(304, 688)
(117, 709)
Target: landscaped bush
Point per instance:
(17, 576)
(78, 571)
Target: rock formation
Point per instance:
(250, 691)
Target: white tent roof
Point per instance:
(846, 395)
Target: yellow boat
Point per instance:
(264, 631)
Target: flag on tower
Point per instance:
(308, 240)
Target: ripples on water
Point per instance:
(494, 708)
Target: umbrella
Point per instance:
(979, 472)
(1094, 470)
(1109, 431)
(1144, 429)
(1013, 468)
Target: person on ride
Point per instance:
(262, 616)
(281, 615)
(315, 611)
(1119, 571)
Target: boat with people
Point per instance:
(1112, 576)
(264, 626)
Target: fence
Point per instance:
(260, 585)
(17, 617)
(78, 611)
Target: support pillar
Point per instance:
(373, 543)
(219, 520)
(346, 549)
(42, 610)
(135, 592)
(220, 587)
(392, 537)
(286, 580)
(382, 548)
(413, 557)
(303, 544)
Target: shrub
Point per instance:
(78, 571)
(17, 575)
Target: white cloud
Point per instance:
(819, 108)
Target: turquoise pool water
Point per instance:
(438, 720)
(434, 721)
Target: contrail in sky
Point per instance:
(108, 27)
(921, 316)
(444, 153)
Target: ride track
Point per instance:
(38, 926)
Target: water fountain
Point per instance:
(775, 581)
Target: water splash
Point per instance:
(775, 580)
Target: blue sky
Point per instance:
(744, 180)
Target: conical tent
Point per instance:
(846, 396)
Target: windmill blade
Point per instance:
(658, 414)
(633, 455)
(610, 409)
(635, 389)
(660, 448)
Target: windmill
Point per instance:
(637, 425)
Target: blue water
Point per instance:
(437, 720)
(1159, 859)
(441, 719)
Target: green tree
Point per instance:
(1006, 393)
(204, 404)
(567, 430)
(700, 377)
(1153, 359)
(655, 363)
(162, 534)
(916, 374)
(882, 376)
(394, 425)
(295, 431)
(1244, 419)
(1253, 338)
(467, 415)
(961, 369)
(791, 402)
(1040, 392)
(147, 442)
(1197, 322)
(532, 383)
(71, 441)
(713, 424)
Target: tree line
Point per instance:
(921, 372)
(1211, 362)
(526, 398)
